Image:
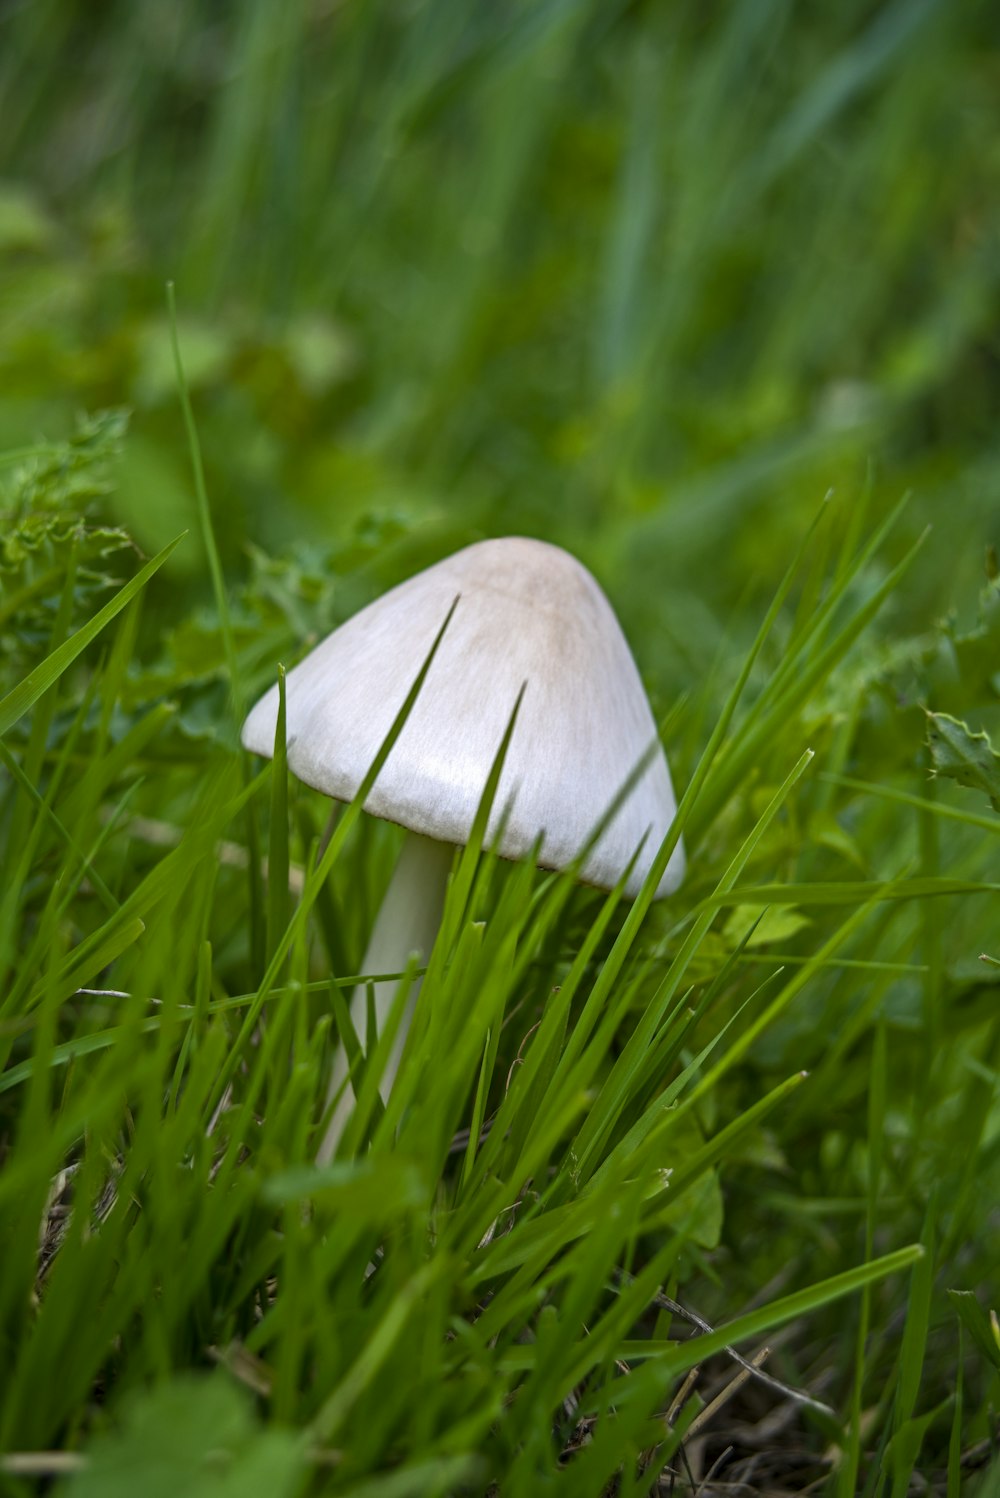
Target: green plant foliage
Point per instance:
(620, 1076)
(982, 1328)
(49, 536)
(193, 1435)
(964, 756)
(647, 281)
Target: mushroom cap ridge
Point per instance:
(527, 613)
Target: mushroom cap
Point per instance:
(528, 614)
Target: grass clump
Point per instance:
(772, 1097)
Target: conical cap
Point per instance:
(527, 613)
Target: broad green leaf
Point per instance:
(773, 925)
(197, 1436)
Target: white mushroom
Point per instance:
(528, 615)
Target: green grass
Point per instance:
(647, 282)
(663, 1097)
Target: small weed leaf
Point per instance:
(962, 755)
(196, 1436)
(772, 926)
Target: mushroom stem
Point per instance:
(407, 922)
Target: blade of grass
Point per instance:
(277, 857)
(27, 692)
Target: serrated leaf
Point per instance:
(961, 755)
(40, 531)
(49, 530)
(71, 475)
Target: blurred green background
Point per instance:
(644, 279)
